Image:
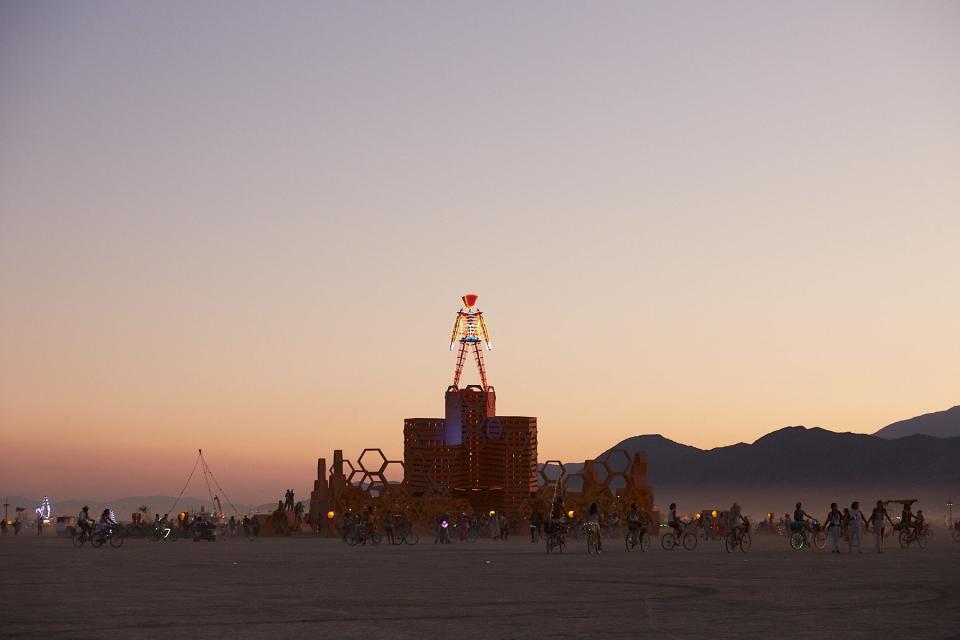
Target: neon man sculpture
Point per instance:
(470, 329)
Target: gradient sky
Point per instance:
(246, 226)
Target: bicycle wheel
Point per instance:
(591, 543)
(689, 541)
(116, 539)
(351, 540)
(668, 541)
(820, 540)
(411, 538)
(924, 538)
(644, 542)
(375, 538)
(956, 535)
(97, 540)
(797, 540)
(730, 542)
(745, 542)
(549, 545)
(630, 541)
(904, 540)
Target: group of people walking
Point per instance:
(851, 523)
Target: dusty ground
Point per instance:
(284, 588)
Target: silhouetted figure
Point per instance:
(855, 527)
(877, 519)
(298, 513)
(593, 517)
(834, 520)
(536, 521)
(289, 500)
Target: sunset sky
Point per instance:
(246, 226)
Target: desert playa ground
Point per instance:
(309, 587)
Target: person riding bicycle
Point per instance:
(800, 518)
(593, 519)
(635, 520)
(84, 521)
(918, 523)
(557, 519)
(673, 521)
(106, 520)
(736, 518)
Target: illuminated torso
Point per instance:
(470, 328)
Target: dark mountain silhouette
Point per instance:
(814, 457)
(940, 424)
(796, 463)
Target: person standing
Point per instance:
(855, 527)
(834, 520)
(876, 520)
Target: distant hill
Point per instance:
(796, 463)
(812, 457)
(940, 424)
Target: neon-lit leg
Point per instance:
(460, 357)
(478, 354)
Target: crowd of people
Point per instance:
(851, 524)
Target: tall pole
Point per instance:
(6, 503)
(950, 512)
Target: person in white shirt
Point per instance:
(834, 520)
(855, 527)
(877, 521)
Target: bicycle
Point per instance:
(81, 535)
(804, 537)
(637, 538)
(114, 533)
(360, 535)
(406, 536)
(593, 537)
(742, 540)
(671, 540)
(955, 534)
(556, 538)
(164, 532)
(909, 536)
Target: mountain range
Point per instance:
(813, 465)
(940, 424)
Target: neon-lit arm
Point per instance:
(486, 335)
(456, 330)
